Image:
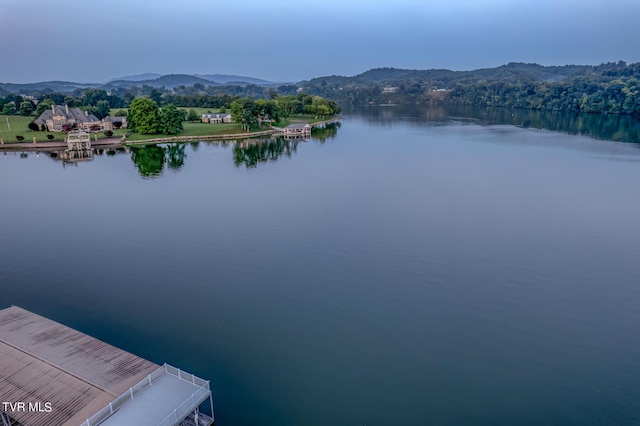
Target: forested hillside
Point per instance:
(608, 88)
(612, 88)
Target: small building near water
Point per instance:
(78, 141)
(297, 130)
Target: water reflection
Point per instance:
(251, 152)
(150, 159)
(69, 157)
(175, 156)
(324, 132)
(619, 128)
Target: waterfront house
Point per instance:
(216, 118)
(63, 119)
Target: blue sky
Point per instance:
(290, 41)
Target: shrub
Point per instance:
(108, 133)
(117, 124)
(193, 115)
(33, 126)
(19, 138)
(50, 137)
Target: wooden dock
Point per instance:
(43, 361)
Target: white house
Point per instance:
(216, 118)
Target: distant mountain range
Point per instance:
(137, 77)
(214, 78)
(511, 72)
(341, 87)
(169, 81)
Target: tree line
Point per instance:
(252, 113)
(98, 102)
(147, 117)
(610, 88)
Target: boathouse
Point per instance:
(51, 374)
(297, 130)
(78, 141)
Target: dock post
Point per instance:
(211, 402)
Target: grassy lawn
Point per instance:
(195, 129)
(112, 111)
(299, 119)
(201, 111)
(19, 125)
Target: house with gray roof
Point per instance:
(216, 118)
(297, 130)
(111, 123)
(63, 119)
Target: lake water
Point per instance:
(413, 266)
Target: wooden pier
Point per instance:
(64, 377)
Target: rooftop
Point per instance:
(297, 126)
(69, 113)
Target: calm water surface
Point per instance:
(412, 267)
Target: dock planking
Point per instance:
(44, 361)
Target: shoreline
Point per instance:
(53, 146)
(123, 142)
(226, 136)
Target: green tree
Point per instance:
(286, 105)
(144, 116)
(91, 97)
(128, 98)
(156, 95)
(9, 109)
(102, 109)
(43, 106)
(193, 115)
(26, 108)
(171, 119)
(72, 102)
(246, 112)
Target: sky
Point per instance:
(279, 40)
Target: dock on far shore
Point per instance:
(51, 374)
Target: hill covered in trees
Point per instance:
(612, 88)
(607, 88)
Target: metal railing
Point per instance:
(183, 410)
(200, 395)
(184, 375)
